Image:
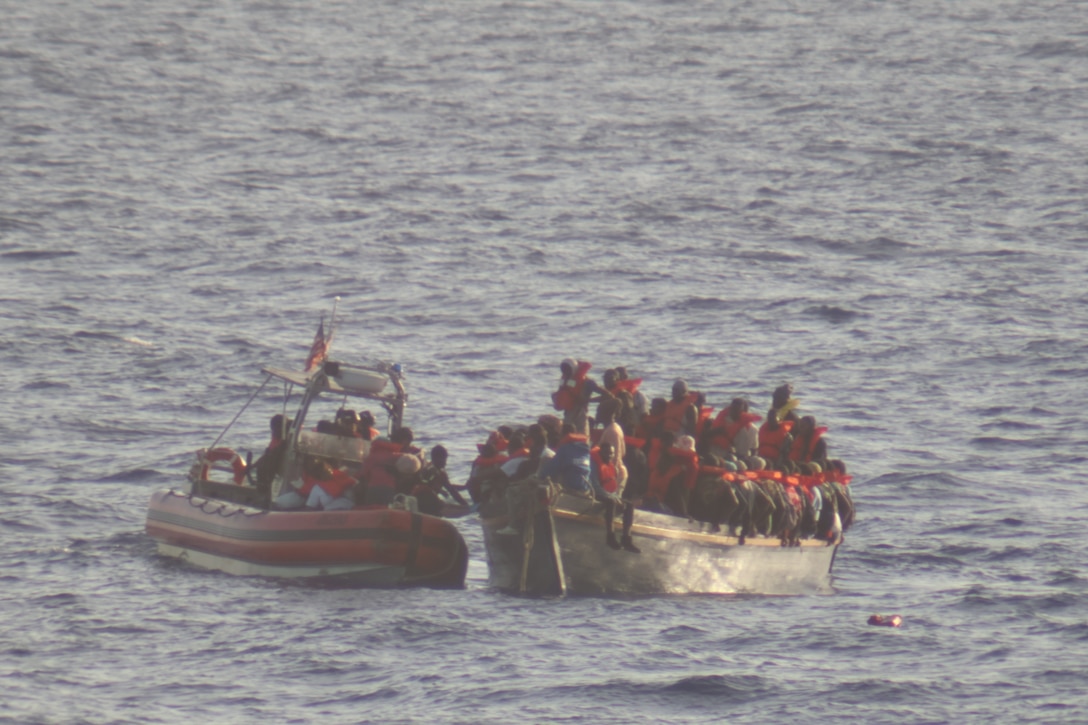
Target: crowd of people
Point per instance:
(392, 466)
(767, 474)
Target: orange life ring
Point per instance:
(216, 455)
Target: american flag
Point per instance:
(319, 349)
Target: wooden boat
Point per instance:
(225, 518)
(559, 549)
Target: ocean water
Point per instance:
(882, 203)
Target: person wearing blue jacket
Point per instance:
(570, 465)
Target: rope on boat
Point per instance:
(203, 506)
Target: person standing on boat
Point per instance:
(681, 413)
(271, 461)
(573, 395)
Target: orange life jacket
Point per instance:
(377, 465)
(702, 420)
(606, 472)
(801, 453)
(489, 461)
(684, 463)
(771, 440)
(497, 440)
(572, 438)
(676, 411)
(338, 483)
(571, 393)
(630, 385)
(649, 425)
(725, 428)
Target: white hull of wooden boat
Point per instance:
(565, 553)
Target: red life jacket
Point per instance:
(606, 472)
(685, 463)
(497, 440)
(770, 441)
(571, 393)
(489, 461)
(338, 483)
(649, 425)
(799, 452)
(702, 421)
(630, 385)
(715, 471)
(376, 466)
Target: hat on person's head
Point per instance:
(569, 362)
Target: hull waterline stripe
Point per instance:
(286, 535)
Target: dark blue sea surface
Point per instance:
(882, 203)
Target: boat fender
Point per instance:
(885, 620)
(216, 455)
